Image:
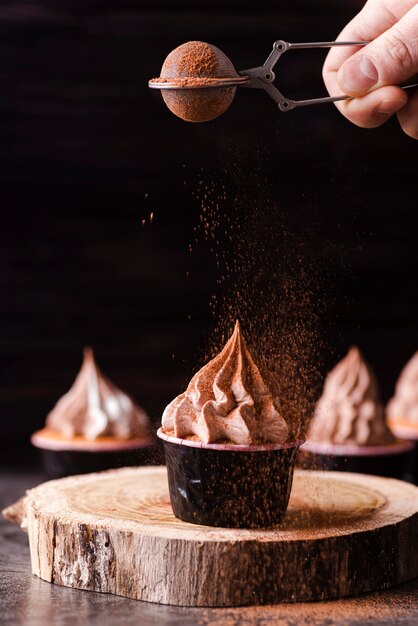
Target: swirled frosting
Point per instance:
(94, 408)
(349, 410)
(404, 404)
(228, 401)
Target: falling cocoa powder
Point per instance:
(267, 280)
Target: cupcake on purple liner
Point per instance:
(229, 458)
(348, 430)
(94, 426)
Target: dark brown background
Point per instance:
(82, 140)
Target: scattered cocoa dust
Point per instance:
(385, 607)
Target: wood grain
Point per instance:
(115, 532)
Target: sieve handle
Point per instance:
(262, 77)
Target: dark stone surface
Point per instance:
(27, 601)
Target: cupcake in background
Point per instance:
(348, 430)
(229, 451)
(93, 427)
(402, 409)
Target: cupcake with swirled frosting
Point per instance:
(94, 426)
(402, 409)
(348, 430)
(228, 451)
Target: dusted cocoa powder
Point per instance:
(191, 81)
(194, 58)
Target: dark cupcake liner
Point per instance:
(66, 461)
(229, 485)
(390, 461)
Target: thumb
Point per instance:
(388, 60)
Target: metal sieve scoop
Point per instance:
(177, 86)
(198, 82)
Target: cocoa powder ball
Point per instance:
(196, 64)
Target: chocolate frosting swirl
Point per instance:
(404, 404)
(94, 407)
(349, 410)
(228, 401)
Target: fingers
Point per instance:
(373, 20)
(408, 116)
(368, 74)
(375, 108)
(388, 60)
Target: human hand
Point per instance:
(371, 75)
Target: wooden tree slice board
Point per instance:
(115, 532)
